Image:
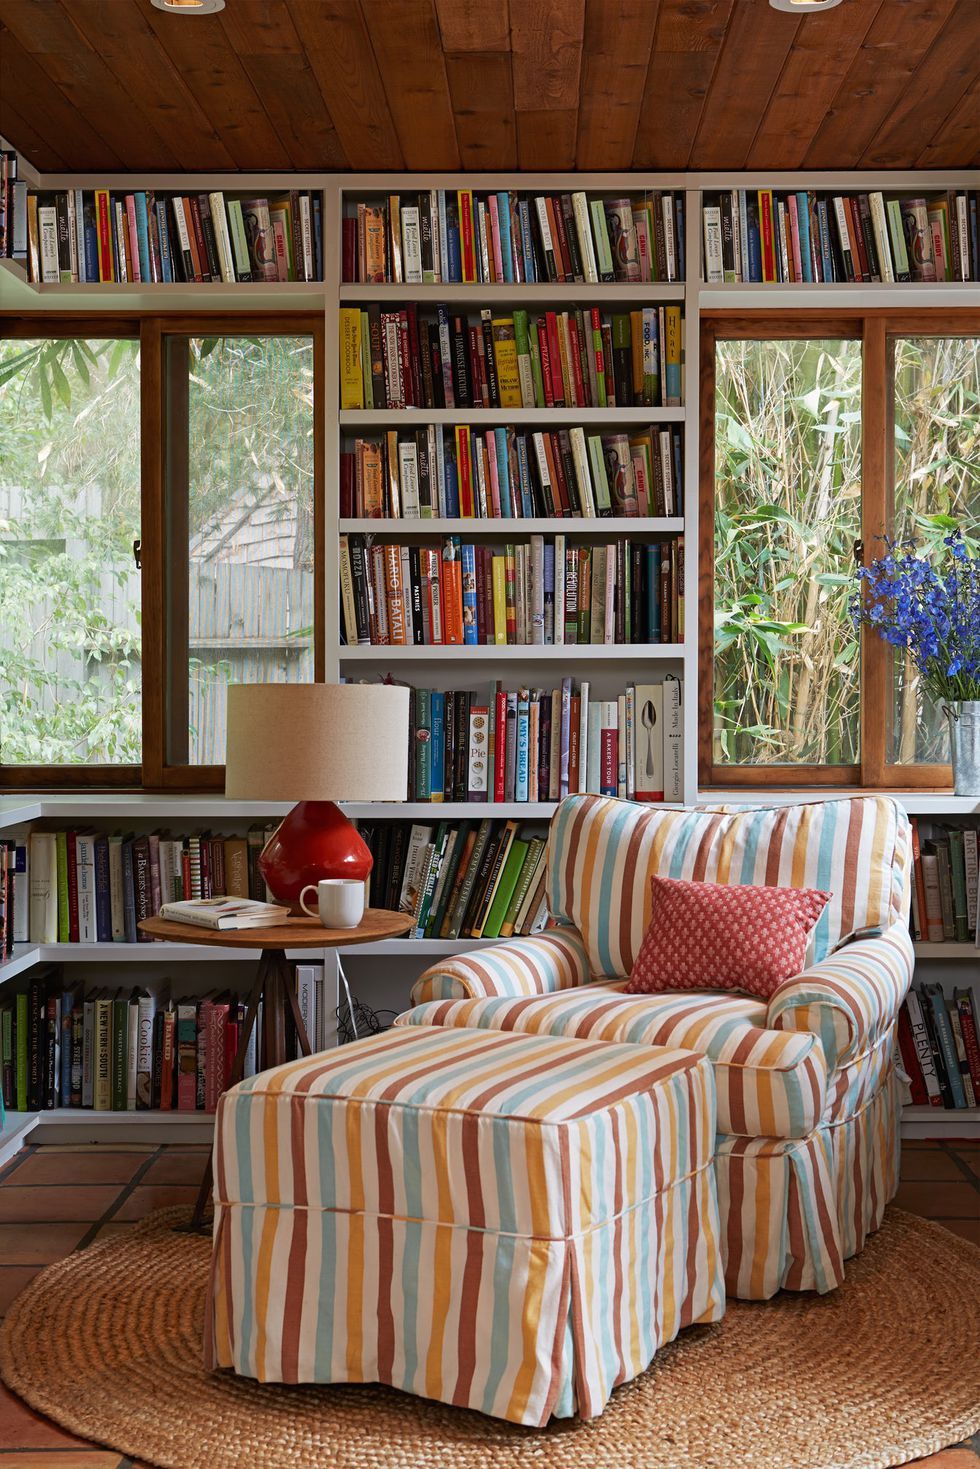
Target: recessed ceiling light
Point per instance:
(189, 7)
(794, 7)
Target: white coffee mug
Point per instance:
(340, 901)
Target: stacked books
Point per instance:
(84, 887)
(101, 236)
(534, 744)
(938, 1039)
(762, 235)
(116, 1050)
(465, 235)
(580, 358)
(222, 912)
(462, 879)
(507, 473)
(545, 590)
(944, 891)
(13, 210)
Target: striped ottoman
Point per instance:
(513, 1223)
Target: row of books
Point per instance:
(579, 358)
(938, 1040)
(508, 473)
(536, 592)
(534, 744)
(460, 879)
(84, 887)
(130, 1050)
(94, 235)
(762, 235)
(465, 235)
(944, 891)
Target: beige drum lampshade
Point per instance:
(317, 742)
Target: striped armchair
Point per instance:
(807, 1151)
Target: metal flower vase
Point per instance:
(963, 718)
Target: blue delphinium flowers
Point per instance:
(932, 609)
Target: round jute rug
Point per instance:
(884, 1370)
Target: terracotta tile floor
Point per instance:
(55, 1200)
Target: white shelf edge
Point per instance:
(484, 417)
(450, 810)
(781, 295)
(947, 950)
(134, 806)
(16, 1129)
(571, 292)
(533, 653)
(940, 1122)
(503, 526)
(157, 295)
(419, 947)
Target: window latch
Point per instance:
(137, 550)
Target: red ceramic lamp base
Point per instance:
(316, 840)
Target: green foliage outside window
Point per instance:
(70, 673)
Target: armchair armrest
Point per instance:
(553, 960)
(851, 997)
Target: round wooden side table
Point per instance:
(273, 984)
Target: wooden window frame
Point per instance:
(877, 329)
(158, 651)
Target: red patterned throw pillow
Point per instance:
(710, 936)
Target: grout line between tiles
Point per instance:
(120, 1199)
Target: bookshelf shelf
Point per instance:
(551, 652)
(940, 1122)
(564, 293)
(512, 527)
(756, 296)
(962, 953)
(76, 1124)
(511, 417)
(17, 290)
(431, 948)
(450, 810)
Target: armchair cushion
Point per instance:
(603, 852)
(769, 1083)
(553, 960)
(850, 999)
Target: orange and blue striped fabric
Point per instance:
(507, 1222)
(769, 1082)
(603, 852)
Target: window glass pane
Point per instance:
(240, 517)
(937, 473)
(787, 516)
(69, 587)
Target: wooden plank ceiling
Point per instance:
(483, 84)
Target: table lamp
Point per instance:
(316, 744)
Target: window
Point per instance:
(161, 534)
(787, 516)
(241, 537)
(825, 435)
(936, 479)
(70, 616)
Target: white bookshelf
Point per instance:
(112, 810)
(510, 528)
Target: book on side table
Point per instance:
(224, 912)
